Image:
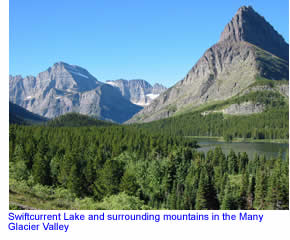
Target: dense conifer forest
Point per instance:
(273, 123)
(76, 120)
(125, 167)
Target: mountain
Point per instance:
(66, 88)
(19, 115)
(249, 53)
(138, 91)
(248, 26)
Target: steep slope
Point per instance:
(138, 91)
(227, 68)
(19, 115)
(158, 88)
(66, 88)
(248, 26)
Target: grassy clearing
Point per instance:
(27, 201)
(25, 196)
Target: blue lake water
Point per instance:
(270, 150)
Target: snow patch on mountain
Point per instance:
(152, 95)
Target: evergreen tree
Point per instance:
(128, 184)
(110, 176)
(260, 190)
(232, 162)
(243, 191)
(75, 180)
(251, 193)
(228, 202)
(41, 168)
(206, 197)
(17, 167)
(201, 201)
(278, 189)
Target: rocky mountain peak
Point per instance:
(249, 48)
(65, 76)
(138, 91)
(66, 88)
(158, 88)
(247, 25)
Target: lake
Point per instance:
(268, 149)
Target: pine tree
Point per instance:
(228, 202)
(278, 189)
(172, 197)
(17, 167)
(251, 193)
(55, 168)
(201, 201)
(128, 184)
(232, 163)
(243, 191)
(260, 190)
(206, 197)
(110, 176)
(75, 180)
(41, 168)
(191, 186)
(243, 162)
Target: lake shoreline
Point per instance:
(242, 140)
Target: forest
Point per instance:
(273, 123)
(129, 167)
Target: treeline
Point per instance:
(269, 99)
(272, 124)
(19, 115)
(76, 120)
(156, 171)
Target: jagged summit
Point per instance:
(65, 76)
(60, 63)
(66, 88)
(247, 25)
(138, 91)
(67, 66)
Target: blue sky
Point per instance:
(155, 40)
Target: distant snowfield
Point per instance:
(143, 101)
(152, 95)
(112, 84)
(142, 104)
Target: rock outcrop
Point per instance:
(244, 108)
(248, 26)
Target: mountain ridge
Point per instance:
(247, 25)
(138, 91)
(66, 88)
(226, 69)
(19, 115)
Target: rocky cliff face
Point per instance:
(227, 68)
(66, 88)
(248, 26)
(158, 88)
(244, 108)
(138, 91)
